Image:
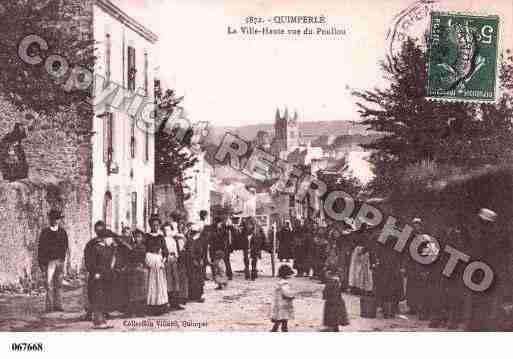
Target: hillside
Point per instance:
(309, 129)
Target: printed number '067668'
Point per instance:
(27, 347)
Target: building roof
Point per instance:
(126, 20)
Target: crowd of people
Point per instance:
(140, 273)
(385, 277)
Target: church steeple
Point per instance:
(286, 131)
(277, 116)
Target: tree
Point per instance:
(415, 129)
(340, 178)
(65, 26)
(172, 150)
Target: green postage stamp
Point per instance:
(463, 57)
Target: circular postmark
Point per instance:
(411, 22)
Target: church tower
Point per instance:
(286, 131)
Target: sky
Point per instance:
(231, 80)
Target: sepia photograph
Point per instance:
(255, 166)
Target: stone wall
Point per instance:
(24, 206)
(59, 177)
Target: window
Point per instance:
(108, 137)
(146, 141)
(148, 202)
(133, 143)
(150, 198)
(134, 209)
(157, 89)
(132, 71)
(146, 82)
(145, 209)
(107, 209)
(108, 46)
(116, 209)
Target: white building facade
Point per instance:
(200, 183)
(122, 143)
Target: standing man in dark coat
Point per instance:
(453, 286)
(490, 245)
(220, 241)
(309, 230)
(387, 276)
(299, 249)
(52, 250)
(99, 229)
(205, 233)
(417, 276)
(286, 242)
(120, 289)
(100, 262)
(252, 242)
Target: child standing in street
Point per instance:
(220, 270)
(282, 309)
(335, 312)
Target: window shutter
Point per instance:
(105, 140)
(146, 82)
(131, 68)
(133, 143)
(134, 210)
(145, 208)
(108, 137)
(147, 142)
(108, 46)
(116, 209)
(107, 210)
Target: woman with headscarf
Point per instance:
(360, 273)
(344, 244)
(320, 253)
(195, 257)
(156, 255)
(172, 274)
(183, 276)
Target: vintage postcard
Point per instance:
(255, 166)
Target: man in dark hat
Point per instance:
(52, 250)
(252, 241)
(220, 241)
(417, 275)
(490, 244)
(99, 229)
(100, 261)
(206, 234)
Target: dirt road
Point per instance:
(243, 306)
